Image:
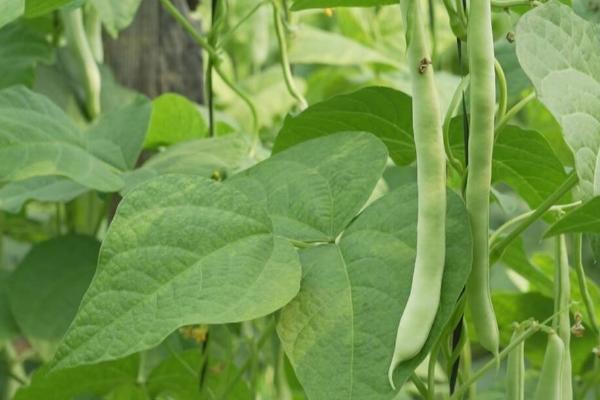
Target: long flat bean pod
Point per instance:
(422, 305)
(549, 385)
(481, 142)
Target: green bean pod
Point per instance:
(549, 386)
(562, 321)
(481, 143)
(423, 301)
(515, 373)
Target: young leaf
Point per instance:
(174, 119)
(47, 287)
(38, 139)
(352, 296)
(585, 218)
(97, 380)
(36, 8)
(181, 250)
(384, 112)
(305, 4)
(565, 70)
(313, 190)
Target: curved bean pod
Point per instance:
(515, 374)
(422, 305)
(481, 143)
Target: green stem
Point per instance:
(80, 47)
(455, 103)
(512, 112)
(562, 323)
(229, 34)
(93, 27)
(503, 91)
(501, 231)
(433, 356)
(583, 287)
(419, 384)
(285, 62)
(210, 94)
(493, 363)
(200, 40)
(563, 189)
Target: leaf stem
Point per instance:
(285, 62)
(201, 41)
(503, 91)
(563, 189)
(419, 385)
(513, 111)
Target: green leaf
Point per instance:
(384, 112)
(116, 15)
(47, 287)
(516, 259)
(176, 377)
(21, 49)
(38, 139)
(11, 10)
(14, 195)
(522, 159)
(181, 250)
(585, 218)
(98, 379)
(588, 9)
(316, 46)
(174, 119)
(304, 4)
(565, 70)
(313, 190)
(117, 136)
(217, 157)
(36, 8)
(353, 293)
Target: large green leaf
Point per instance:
(8, 326)
(21, 49)
(177, 377)
(583, 219)
(98, 380)
(385, 112)
(313, 190)
(316, 46)
(353, 293)
(47, 287)
(181, 250)
(11, 10)
(559, 52)
(174, 119)
(116, 15)
(588, 9)
(38, 139)
(304, 4)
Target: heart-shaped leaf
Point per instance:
(181, 250)
(313, 190)
(384, 112)
(559, 52)
(352, 295)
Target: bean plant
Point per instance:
(376, 200)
